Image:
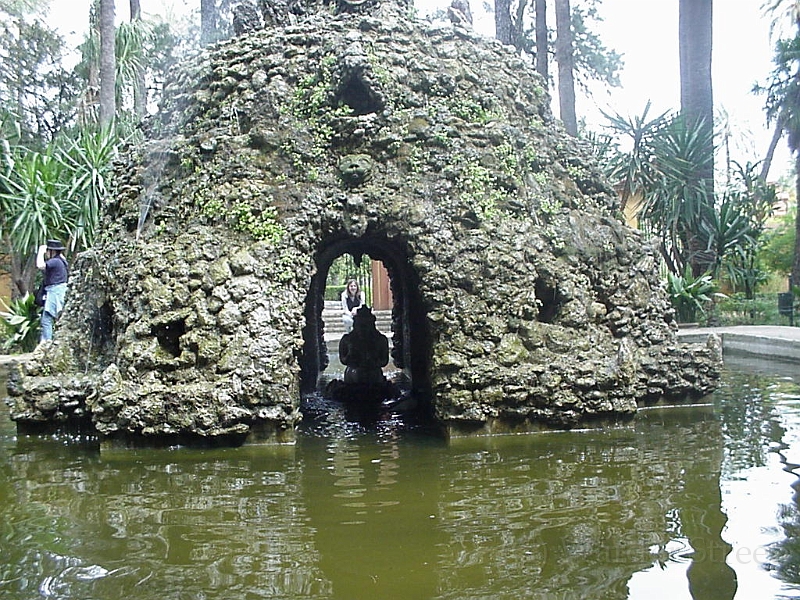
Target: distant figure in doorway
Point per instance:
(351, 302)
(364, 351)
(50, 259)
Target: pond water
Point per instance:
(693, 502)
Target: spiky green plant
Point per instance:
(690, 295)
(88, 161)
(31, 193)
(21, 324)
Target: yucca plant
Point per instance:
(676, 205)
(21, 324)
(31, 191)
(663, 168)
(55, 193)
(690, 295)
(87, 160)
(632, 172)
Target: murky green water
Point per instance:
(683, 503)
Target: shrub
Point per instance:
(690, 295)
(21, 323)
(333, 292)
(736, 309)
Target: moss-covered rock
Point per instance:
(520, 298)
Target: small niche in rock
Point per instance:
(358, 96)
(550, 301)
(103, 326)
(169, 336)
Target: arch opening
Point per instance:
(359, 96)
(410, 338)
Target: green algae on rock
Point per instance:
(520, 300)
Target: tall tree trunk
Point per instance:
(566, 67)
(773, 144)
(88, 112)
(502, 21)
(540, 27)
(697, 100)
(139, 87)
(695, 43)
(108, 63)
(208, 22)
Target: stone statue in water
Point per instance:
(364, 351)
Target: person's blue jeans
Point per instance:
(47, 326)
(53, 304)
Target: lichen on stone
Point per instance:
(521, 300)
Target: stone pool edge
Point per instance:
(778, 343)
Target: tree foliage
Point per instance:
(779, 242)
(516, 24)
(693, 226)
(55, 160)
(783, 96)
(35, 86)
(594, 61)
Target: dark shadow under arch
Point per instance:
(411, 348)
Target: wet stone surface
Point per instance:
(520, 299)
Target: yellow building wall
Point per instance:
(5, 283)
(5, 288)
(632, 209)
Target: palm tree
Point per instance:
(503, 26)
(697, 101)
(208, 22)
(565, 58)
(139, 89)
(108, 63)
(540, 27)
(134, 53)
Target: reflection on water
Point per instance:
(663, 508)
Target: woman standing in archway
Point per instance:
(352, 300)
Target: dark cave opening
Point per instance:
(550, 301)
(169, 336)
(102, 327)
(359, 97)
(410, 335)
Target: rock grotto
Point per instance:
(521, 300)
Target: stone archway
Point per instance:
(410, 334)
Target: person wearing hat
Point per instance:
(50, 259)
